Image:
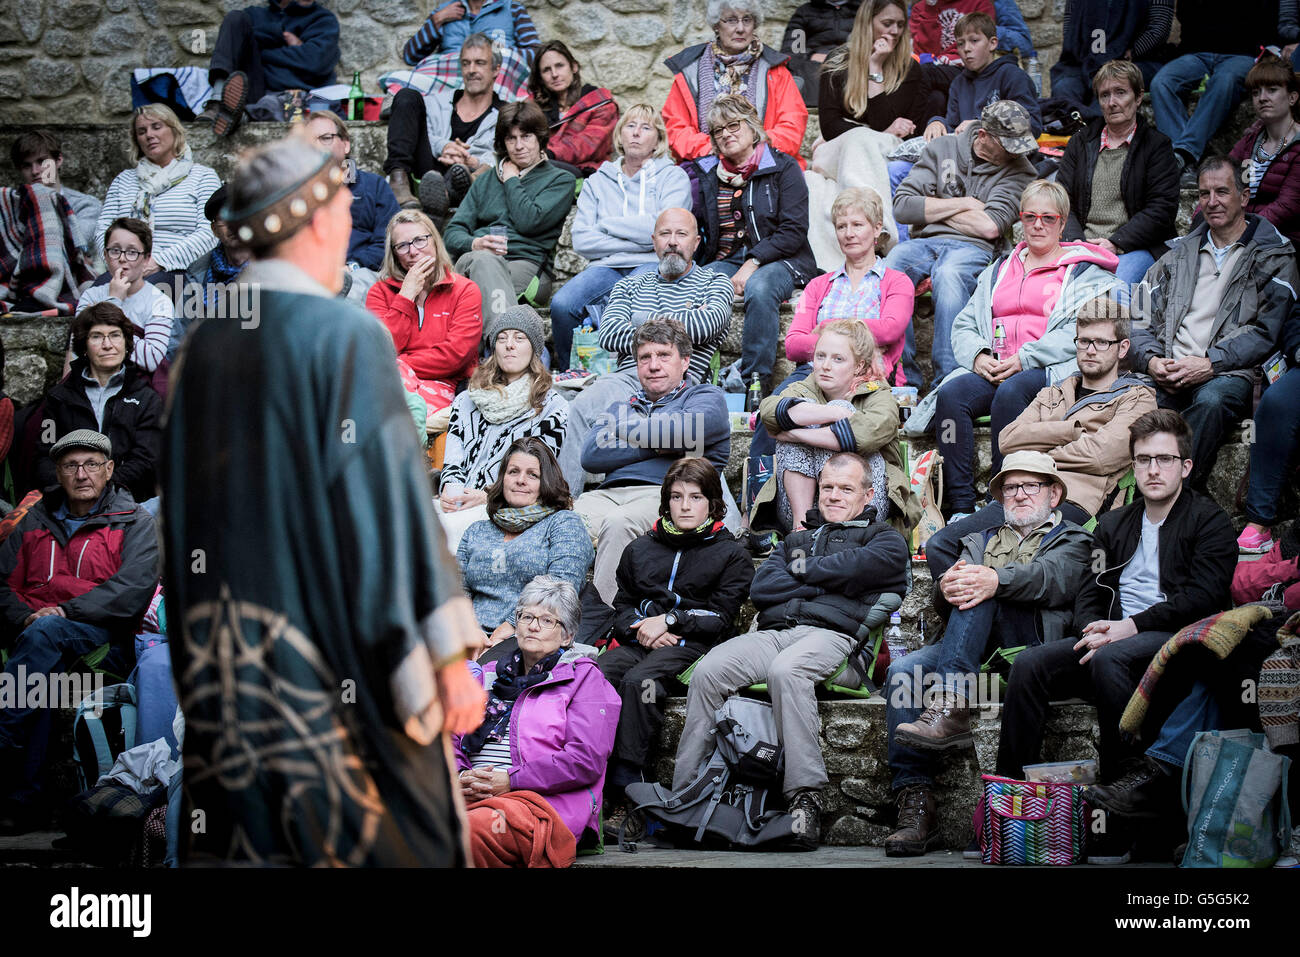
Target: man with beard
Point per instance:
(1013, 586)
(697, 298)
(318, 627)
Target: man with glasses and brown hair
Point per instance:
(78, 572)
(1159, 564)
(1013, 586)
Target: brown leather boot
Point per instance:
(918, 824)
(941, 727)
(401, 186)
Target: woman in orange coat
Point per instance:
(735, 62)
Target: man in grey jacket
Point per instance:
(961, 198)
(1211, 310)
(446, 137)
(1013, 586)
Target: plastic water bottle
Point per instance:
(999, 339)
(894, 638)
(1035, 75)
(754, 395)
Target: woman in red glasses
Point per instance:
(1016, 333)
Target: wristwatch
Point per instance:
(878, 77)
(671, 620)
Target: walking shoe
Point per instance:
(459, 180)
(1146, 790)
(1255, 540)
(941, 727)
(433, 196)
(917, 823)
(806, 807)
(400, 184)
(209, 114)
(230, 108)
(1188, 181)
(624, 824)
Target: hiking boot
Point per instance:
(624, 824)
(230, 108)
(400, 184)
(941, 727)
(1146, 790)
(433, 196)
(209, 114)
(917, 823)
(459, 180)
(806, 808)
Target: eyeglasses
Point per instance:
(92, 468)
(1047, 219)
(419, 242)
(546, 621)
(1164, 461)
(1101, 345)
(97, 338)
(732, 22)
(1029, 488)
(129, 255)
(327, 138)
(730, 127)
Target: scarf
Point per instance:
(722, 73)
(154, 180)
(220, 271)
(643, 404)
(502, 403)
(705, 528)
(510, 684)
(733, 176)
(510, 519)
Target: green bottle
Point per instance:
(356, 98)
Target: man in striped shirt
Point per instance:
(699, 299)
(451, 22)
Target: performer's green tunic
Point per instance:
(304, 573)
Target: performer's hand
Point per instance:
(463, 698)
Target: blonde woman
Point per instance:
(509, 397)
(617, 209)
(434, 315)
(873, 81)
(165, 189)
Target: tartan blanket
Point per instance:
(39, 258)
(1279, 688)
(441, 71)
(1219, 633)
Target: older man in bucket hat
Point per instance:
(1013, 586)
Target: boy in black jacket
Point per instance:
(1160, 563)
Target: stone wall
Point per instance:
(67, 61)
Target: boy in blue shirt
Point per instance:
(984, 79)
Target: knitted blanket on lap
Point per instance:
(39, 258)
(1219, 633)
(1279, 688)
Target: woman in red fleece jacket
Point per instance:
(434, 315)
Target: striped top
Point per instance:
(151, 310)
(428, 39)
(493, 754)
(700, 300)
(476, 447)
(181, 233)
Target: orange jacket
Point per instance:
(785, 116)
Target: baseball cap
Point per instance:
(1008, 122)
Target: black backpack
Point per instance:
(735, 801)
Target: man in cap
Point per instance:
(77, 573)
(1013, 586)
(318, 626)
(960, 200)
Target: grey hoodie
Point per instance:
(437, 118)
(616, 215)
(947, 169)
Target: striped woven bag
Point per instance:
(1028, 822)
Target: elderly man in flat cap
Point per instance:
(318, 625)
(77, 573)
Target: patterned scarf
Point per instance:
(705, 528)
(154, 180)
(517, 520)
(503, 403)
(722, 73)
(510, 684)
(220, 271)
(729, 174)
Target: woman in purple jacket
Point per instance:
(537, 763)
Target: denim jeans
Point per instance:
(766, 289)
(155, 691)
(1072, 83)
(1223, 90)
(1132, 266)
(47, 646)
(1197, 712)
(1210, 409)
(953, 267)
(957, 658)
(960, 403)
(898, 170)
(1277, 439)
(588, 290)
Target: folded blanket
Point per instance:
(41, 267)
(854, 158)
(1219, 633)
(1279, 688)
(519, 829)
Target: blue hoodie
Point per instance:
(616, 214)
(1000, 80)
(306, 66)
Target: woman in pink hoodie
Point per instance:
(1017, 333)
